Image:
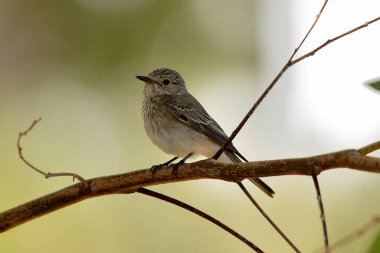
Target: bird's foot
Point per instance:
(156, 168)
(175, 166)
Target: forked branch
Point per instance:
(46, 174)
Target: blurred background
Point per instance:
(74, 64)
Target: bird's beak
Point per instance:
(145, 79)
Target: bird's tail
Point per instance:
(263, 186)
(257, 181)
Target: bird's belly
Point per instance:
(178, 139)
(175, 137)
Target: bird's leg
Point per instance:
(176, 166)
(155, 168)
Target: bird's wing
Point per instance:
(189, 111)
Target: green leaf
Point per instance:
(374, 83)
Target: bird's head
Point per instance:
(163, 81)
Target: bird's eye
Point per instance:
(166, 81)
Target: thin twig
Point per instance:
(48, 174)
(353, 235)
(201, 214)
(323, 216)
(311, 28)
(329, 41)
(267, 217)
(289, 63)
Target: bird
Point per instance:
(179, 125)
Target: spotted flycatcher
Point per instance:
(179, 125)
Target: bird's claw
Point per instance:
(156, 168)
(175, 167)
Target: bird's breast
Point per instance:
(157, 124)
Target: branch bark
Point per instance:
(207, 169)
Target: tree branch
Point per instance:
(46, 174)
(207, 169)
(201, 214)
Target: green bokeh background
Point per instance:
(74, 64)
